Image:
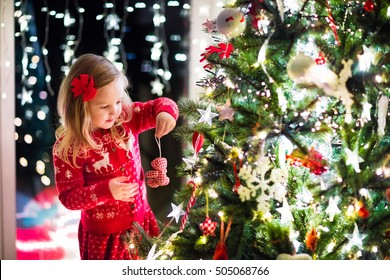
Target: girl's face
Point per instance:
(106, 107)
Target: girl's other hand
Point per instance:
(122, 190)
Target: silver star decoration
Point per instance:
(189, 162)
(285, 212)
(355, 239)
(207, 115)
(332, 208)
(157, 87)
(177, 211)
(25, 96)
(353, 159)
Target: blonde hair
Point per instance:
(75, 129)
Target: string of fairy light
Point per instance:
(72, 17)
(159, 51)
(114, 32)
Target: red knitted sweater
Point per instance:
(86, 188)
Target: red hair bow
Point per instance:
(84, 86)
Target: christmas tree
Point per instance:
(290, 145)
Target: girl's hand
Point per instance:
(164, 124)
(122, 190)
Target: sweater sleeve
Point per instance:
(72, 191)
(144, 114)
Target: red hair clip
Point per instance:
(84, 86)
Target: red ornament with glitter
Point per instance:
(369, 6)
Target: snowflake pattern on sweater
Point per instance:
(86, 188)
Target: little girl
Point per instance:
(96, 155)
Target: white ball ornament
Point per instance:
(231, 23)
(299, 66)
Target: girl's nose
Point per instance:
(113, 111)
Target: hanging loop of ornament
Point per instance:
(158, 176)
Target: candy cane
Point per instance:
(332, 22)
(191, 203)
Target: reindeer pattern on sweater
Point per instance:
(86, 187)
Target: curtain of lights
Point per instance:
(146, 39)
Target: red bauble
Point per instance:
(197, 141)
(369, 6)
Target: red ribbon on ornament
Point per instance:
(220, 252)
